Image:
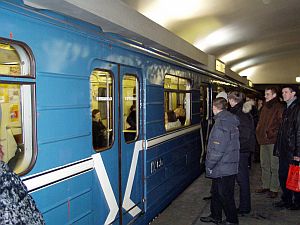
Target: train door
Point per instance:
(118, 157)
(131, 149)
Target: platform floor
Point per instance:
(190, 206)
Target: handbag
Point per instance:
(293, 179)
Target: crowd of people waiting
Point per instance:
(276, 131)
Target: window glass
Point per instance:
(130, 107)
(14, 60)
(101, 84)
(16, 103)
(177, 100)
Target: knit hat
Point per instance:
(222, 94)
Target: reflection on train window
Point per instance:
(130, 107)
(14, 60)
(101, 84)
(177, 102)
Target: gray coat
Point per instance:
(222, 157)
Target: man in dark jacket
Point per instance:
(266, 134)
(287, 146)
(222, 162)
(247, 145)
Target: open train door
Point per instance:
(131, 147)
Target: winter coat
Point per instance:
(269, 122)
(246, 127)
(17, 206)
(288, 138)
(99, 134)
(222, 157)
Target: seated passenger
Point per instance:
(171, 121)
(98, 130)
(131, 120)
(180, 114)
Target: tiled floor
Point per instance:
(190, 206)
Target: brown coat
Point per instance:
(269, 122)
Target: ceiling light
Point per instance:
(298, 79)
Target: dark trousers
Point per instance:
(223, 198)
(244, 183)
(287, 195)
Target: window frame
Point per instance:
(137, 92)
(105, 148)
(178, 91)
(27, 109)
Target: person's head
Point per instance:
(171, 116)
(289, 92)
(235, 98)
(270, 93)
(132, 107)
(219, 104)
(96, 115)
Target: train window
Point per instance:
(177, 102)
(16, 104)
(101, 84)
(130, 107)
(14, 60)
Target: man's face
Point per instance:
(215, 110)
(269, 95)
(287, 94)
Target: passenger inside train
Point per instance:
(131, 120)
(171, 122)
(180, 114)
(99, 130)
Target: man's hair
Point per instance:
(293, 88)
(272, 89)
(236, 96)
(220, 103)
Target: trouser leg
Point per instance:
(274, 180)
(287, 195)
(226, 190)
(216, 204)
(244, 183)
(265, 163)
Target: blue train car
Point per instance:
(101, 130)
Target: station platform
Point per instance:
(189, 206)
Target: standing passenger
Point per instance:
(287, 146)
(266, 133)
(222, 161)
(247, 145)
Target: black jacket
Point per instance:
(246, 127)
(222, 157)
(288, 138)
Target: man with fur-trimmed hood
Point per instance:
(247, 144)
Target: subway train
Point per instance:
(101, 129)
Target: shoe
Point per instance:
(294, 207)
(282, 204)
(228, 223)
(207, 198)
(210, 219)
(242, 212)
(262, 190)
(272, 194)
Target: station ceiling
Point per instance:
(259, 39)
